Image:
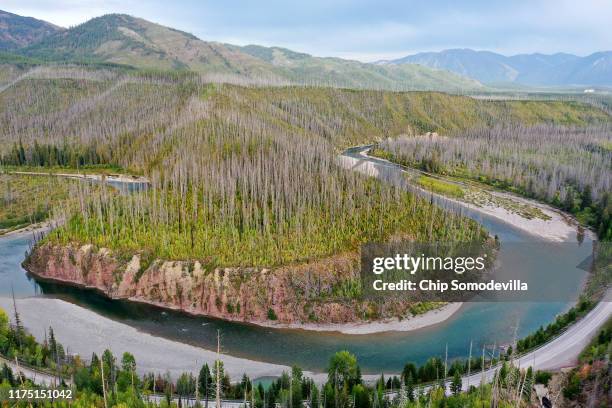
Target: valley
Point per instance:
(203, 207)
(276, 251)
(199, 331)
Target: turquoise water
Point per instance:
(482, 323)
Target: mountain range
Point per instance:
(17, 31)
(560, 69)
(135, 42)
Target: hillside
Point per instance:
(594, 69)
(245, 190)
(123, 115)
(526, 161)
(17, 31)
(486, 66)
(247, 212)
(304, 68)
(122, 39)
(529, 69)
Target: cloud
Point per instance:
(367, 30)
(64, 13)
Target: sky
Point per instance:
(363, 30)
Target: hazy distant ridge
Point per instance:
(123, 39)
(529, 69)
(128, 40)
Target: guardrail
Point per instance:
(499, 364)
(190, 400)
(23, 366)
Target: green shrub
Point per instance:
(272, 314)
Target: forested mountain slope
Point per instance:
(129, 118)
(196, 139)
(123, 39)
(17, 31)
(247, 205)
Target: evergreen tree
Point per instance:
(456, 383)
(21, 160)
(409, 381)
(528, 385)
(95, 363)
(205, 383)
(52, 345)
(409, 370)
(503, 373)
(587, 199)
(7, 375)
(296, 387)
(361, 397)
(261, 392)
(568, 204)
(185, 385)
(19, 330)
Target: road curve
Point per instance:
(560, 352)
(37, 376)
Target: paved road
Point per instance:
(558, 353)
(36, 376)
(190, 402)
(561, 351)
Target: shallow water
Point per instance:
(483, 323)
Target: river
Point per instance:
(483, 323)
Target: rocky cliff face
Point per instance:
(310, 292)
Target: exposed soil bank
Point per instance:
(295, 297)
(299, 296)
(154, 353)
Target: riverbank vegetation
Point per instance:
(26, 200)
(109, 381)
(568, 167)
(440, 186)
(17, 343)
(562, 322)
(243, 175)
(257, 209)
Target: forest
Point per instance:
(566, 166)
(108, 380)
(28, 200)
(241, 208)
(245, 175)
